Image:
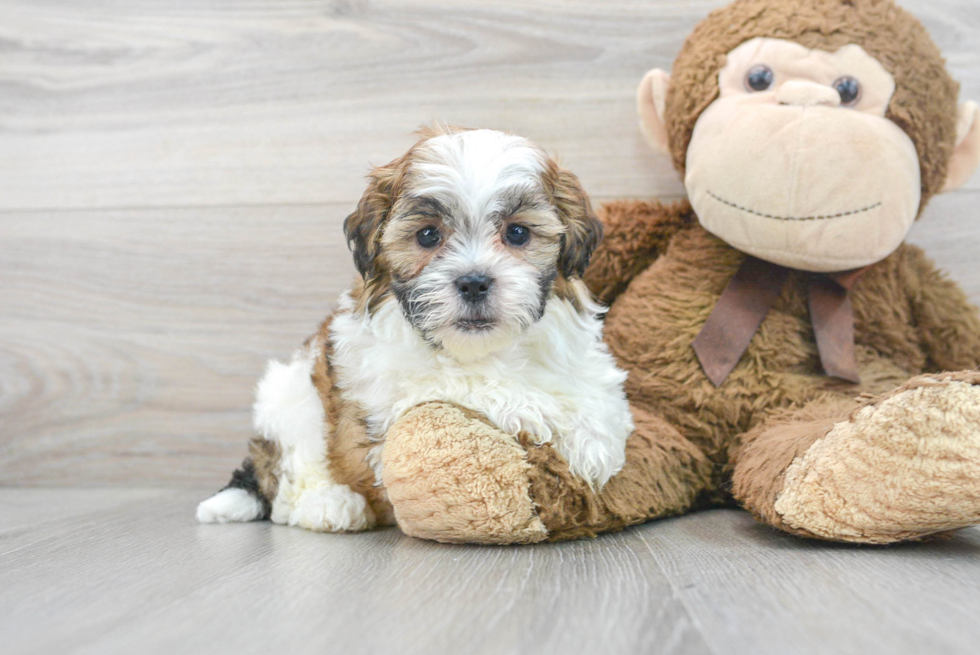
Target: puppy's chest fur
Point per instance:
(557, 382)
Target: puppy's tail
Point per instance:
(248, 495)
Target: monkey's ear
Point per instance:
(363, 227)
(651, 98)
(583, 231)
(966, 156)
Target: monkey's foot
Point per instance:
(905, 465)
(453, 477)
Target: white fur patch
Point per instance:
(229, 506)
(469, 169)
(288, 411)
(556, 381)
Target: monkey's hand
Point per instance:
(452, 476)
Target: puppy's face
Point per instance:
(472, 232)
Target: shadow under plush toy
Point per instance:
(784, 346)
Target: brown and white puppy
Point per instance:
(470, 249)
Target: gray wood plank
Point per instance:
(25, 512)
(158, 103)
(141, 576)
(751, 589)
(131, 341)
(145, 578)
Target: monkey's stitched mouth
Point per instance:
(795, 218)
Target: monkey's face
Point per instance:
(795, 161)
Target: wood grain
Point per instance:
(175, 173)
(132, 339)
(153, 103)
(136, 574)
(753, 590)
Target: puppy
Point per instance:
(470, 250)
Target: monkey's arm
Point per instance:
(635, 233)
(946, 321)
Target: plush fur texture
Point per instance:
(776, 404)
(794, 446)
(880, 475)
(452, 476)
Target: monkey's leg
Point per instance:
(895, 467)
(451, 476)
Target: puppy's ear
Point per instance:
(363, 227)
(583, 230)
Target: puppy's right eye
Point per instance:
(517, 235)
(428, 237)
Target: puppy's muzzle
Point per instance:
(473, 287)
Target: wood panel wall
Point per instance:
(174, 173)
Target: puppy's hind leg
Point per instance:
(249, 494)
(294, 484)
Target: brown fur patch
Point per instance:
(924, 103)
(651, 327)
(583, 231)
(765, 452)
(265, 456)
(347, 440)
(665, 274)
(636, 233)
(664, 475)
(573, 290)
(364, 227)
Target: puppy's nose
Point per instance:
(473, 287)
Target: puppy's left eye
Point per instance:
(428, 237)
(517, 235)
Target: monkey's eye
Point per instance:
(759, 78)
(428, 237)
(849, 90)
(517, 235)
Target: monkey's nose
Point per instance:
(473, 287)
(807, 94)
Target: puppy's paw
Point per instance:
(229, 506)
(330, 507)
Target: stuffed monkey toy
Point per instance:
(785, 348)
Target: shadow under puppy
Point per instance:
(470, 303)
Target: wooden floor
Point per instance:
(129, 571)
(173, 176)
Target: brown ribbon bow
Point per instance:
(749, 297)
